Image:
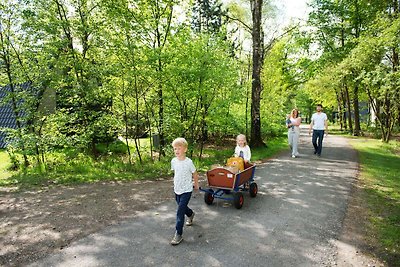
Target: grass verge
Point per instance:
(5, 163)
(71, 167)
(380, 168)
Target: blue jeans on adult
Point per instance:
(183, 209)
(317, 134)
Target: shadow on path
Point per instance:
(295, 220)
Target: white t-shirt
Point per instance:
(246, 152)
(183, 171)
(319, 121)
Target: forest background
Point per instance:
(101, 88)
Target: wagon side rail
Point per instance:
(245, 175)
(221, 178)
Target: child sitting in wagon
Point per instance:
(242, 154)
(242, 149)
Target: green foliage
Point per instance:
(207, 16)
(379, 79)
(355, 39)
(116, 147)
(282, 91)
(69, 166)
(133, 70)
(202, 85)
(121, 70)
(380, 177)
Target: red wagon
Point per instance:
(222, 182)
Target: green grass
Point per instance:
(5, 164)
(380, 175)
(71, 167)
(274, 146)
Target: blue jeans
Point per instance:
(317, 134)
(183, 209)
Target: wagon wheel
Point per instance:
(246, 185)
(208, 198)
(253, 189)
(238, 200)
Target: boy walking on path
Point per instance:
(184, 172)
(319, 125)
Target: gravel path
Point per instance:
(295, 220)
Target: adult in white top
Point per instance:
(293, 124)
(319, 126)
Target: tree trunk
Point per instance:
(126, 129)
(137, 113)
(395, 58)
(161, 121)
(357, 127)
(343, 104)
(381, 117)
(161, 41)
(357, 27)
(147, 115)
(247, 97)
(339, 109)
(160, 100)
(344, 90)
(204, 132)
(255, 135)
(348, 109)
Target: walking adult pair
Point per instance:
(318, 125)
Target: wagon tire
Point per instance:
(253, 189)
(208, 198)
(238, 200)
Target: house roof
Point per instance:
(7, 115)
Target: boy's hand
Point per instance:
(196, 191)
(196, 181)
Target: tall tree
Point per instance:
(364, 65)
(339, 24)
(207, 16)
(155, 27)
(69, 51)
(202, 81)
(257, 50)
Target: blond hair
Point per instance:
(242, 136)
(292, 113)
(180, 141)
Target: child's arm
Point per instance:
(195, 176)
(236, 153)
(247, 154)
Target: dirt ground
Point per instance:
(38, 222)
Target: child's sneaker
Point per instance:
(189, 220)
(176, 239)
